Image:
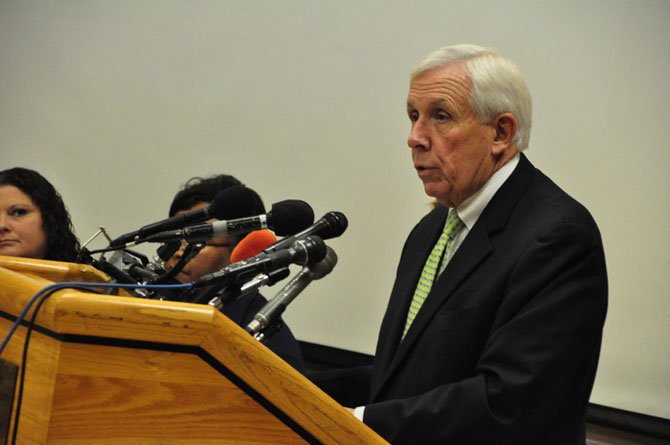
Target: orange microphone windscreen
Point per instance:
(252, 244)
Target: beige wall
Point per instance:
(119, 102)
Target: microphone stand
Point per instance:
(264, 334)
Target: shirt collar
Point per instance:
(471, 209)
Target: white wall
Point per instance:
(119, 102)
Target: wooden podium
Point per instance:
(120, 370)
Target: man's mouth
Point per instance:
(423, 168)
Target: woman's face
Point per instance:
(21, 231)
(213, 257)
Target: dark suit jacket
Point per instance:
(505, 347)
(280, 341)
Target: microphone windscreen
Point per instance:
(252, 244)
(291, 216)
(236, 202)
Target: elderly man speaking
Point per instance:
(493, 329)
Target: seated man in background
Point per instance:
(34, 222)
(198, 193)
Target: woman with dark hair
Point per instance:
(34, 222)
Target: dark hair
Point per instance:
(62, 244)
(199, 189)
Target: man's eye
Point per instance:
(442, 116)
(413, 116)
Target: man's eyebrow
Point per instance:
(434, 103)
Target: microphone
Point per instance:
(252, 244)
(124, 268)
(304, 252)
(285, 218)
(273, 309)
(165, 251)
(331, 225)
(233, 202)
(262, 279)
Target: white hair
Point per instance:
(497, 84)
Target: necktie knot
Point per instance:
(453, 224)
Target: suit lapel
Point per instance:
(475, 248)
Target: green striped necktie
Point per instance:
(436, 262)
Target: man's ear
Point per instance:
(504, 125)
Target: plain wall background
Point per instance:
(118, 103)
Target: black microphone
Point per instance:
(273, 309)
(165, 251)
(266, 279)
(233, 293)
(286, 218)
(304, 252)
(233, 202)
(331, 225)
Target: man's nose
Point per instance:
(418, 136)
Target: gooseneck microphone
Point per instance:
(273, 309)
(233, 202)
(304, 252)
(286, 218)
(251, 245)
